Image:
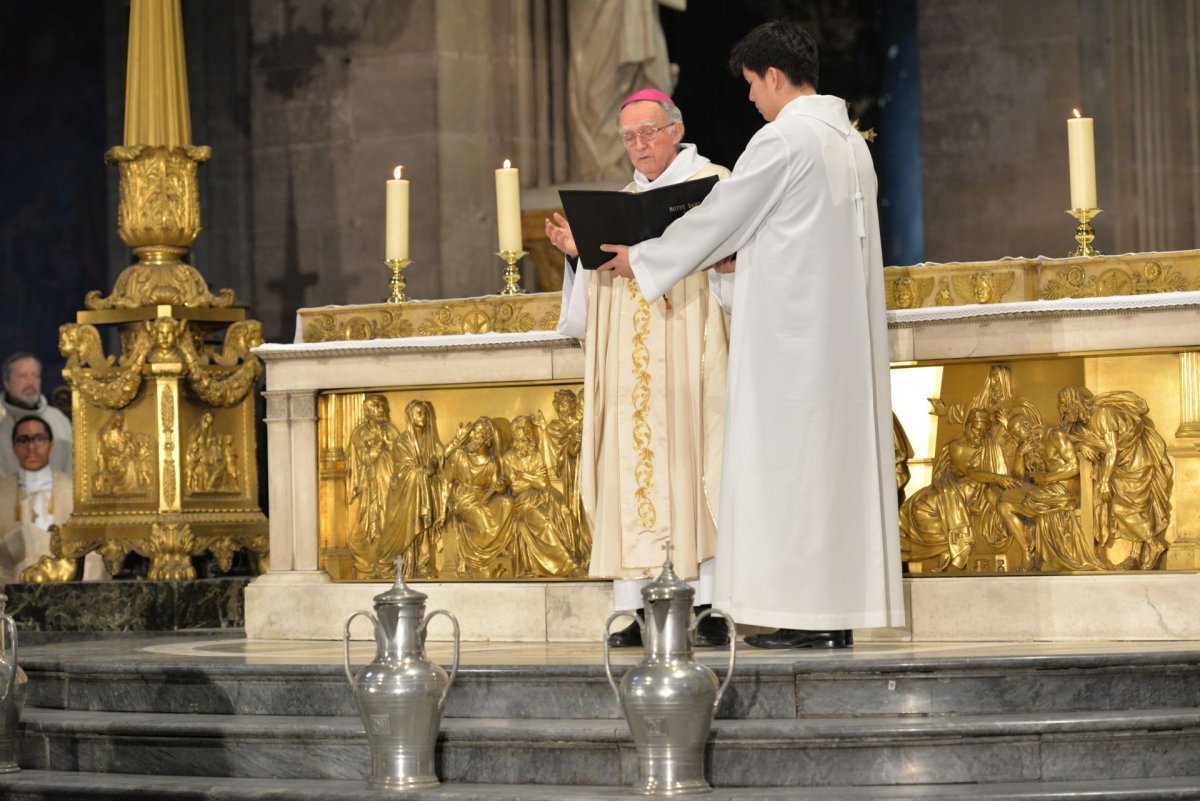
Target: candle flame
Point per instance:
(507, 164)
(1077, 114)
(396, 172)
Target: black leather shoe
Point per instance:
(712, 631)
(801, 638)
(628, 637)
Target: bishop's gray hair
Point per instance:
(674, 115)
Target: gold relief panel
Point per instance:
(1054, 465)
(490, 314)
(1013, 280)
(465, 482)
(1120, 275)
(954, 284)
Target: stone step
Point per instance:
(838, 685)
(58, 786)
(806, 752)
(38, 785)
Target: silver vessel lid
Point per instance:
(400, 594)
(668, 586)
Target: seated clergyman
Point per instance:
(32, 500)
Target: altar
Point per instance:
(1125, 324)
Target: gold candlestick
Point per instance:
(1084, 233)
(397, 281)
(512, 273)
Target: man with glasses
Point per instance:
(23, 396)
(809, 541)
(33, 499)
(654, 374)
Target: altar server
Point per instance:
(808, 533)
(653, 396)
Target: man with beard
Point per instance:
(23, 397)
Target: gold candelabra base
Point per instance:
(1084, 233)
(396, 283)
(512, 273)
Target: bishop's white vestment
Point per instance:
(653, 409)
(808, 520)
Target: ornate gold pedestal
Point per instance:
(164, 425)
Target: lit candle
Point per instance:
(508, 207)
(396, 241)
(1081, 148)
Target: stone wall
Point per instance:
(999, 79)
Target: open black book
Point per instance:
(600, 217)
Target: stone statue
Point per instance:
(616, 48)
(371, 468)
(421, 492)
(546, 537)
(943, 518)
(479, 514)
(1131, 473)
(562, 440)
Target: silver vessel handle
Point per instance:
(732, 628)
(607, 662)
(346, 641)
(454, 669)
(10, 633)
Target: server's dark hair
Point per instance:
(781, 44)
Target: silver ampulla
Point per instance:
(669, 698)
(12, 691)
(401, 694)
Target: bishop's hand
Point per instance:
(558, 231)
(619, 263)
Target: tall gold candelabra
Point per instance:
(1084, 233)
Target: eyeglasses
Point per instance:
(644, 135)
(25, 439)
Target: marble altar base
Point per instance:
(107, 606)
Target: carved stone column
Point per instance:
(1189, 395)
(292, 442)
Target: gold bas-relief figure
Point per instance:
(499, 499)
(1131, 473)
(124, 460)
(1011, 492)
(546, 534)
(480, 513)
(563, 441)
(211, 459)
(372, 468)
(421, 492)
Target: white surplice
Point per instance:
(653, 409)
(31, 501)
(808, 530)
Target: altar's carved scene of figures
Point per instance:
(124, 460)
(499, 499)
(212, 459)
(1011, 492)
